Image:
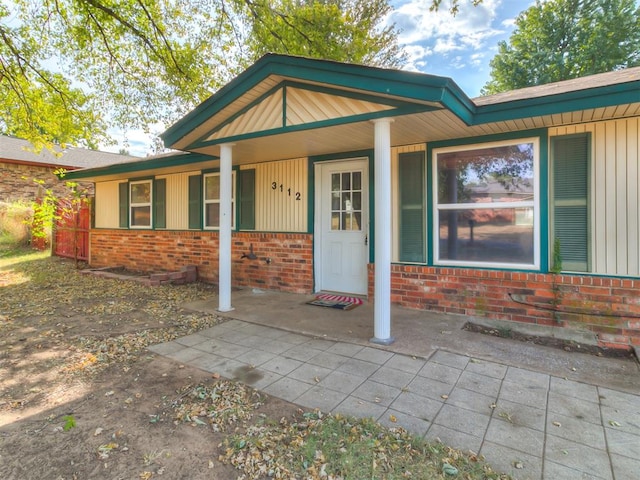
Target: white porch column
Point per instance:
(382, 183)
(224, 246)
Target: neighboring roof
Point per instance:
(608, 79)
(16, 150)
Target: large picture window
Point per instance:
(486, 201)
(212, 201)
(140, 204)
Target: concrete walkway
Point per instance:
(528, 409)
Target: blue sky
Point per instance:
(459, 47)
(437, 43)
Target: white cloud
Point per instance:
(136, 142)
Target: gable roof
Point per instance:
(268, 110)
(17, 150)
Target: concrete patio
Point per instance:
(534, 412)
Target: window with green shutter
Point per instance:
(160, 203)
(195, 201)
(247, 199)
(411, 186)
(123, 204)
(570, 200)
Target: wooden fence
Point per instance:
(71, 230)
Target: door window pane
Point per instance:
(346, 201)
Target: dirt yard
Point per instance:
(81, 397)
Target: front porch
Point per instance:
(421, 334)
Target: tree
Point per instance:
(69, 68)
(563, 39)
(343, 30)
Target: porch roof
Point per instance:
(290, 107)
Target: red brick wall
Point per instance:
(17, 182)
(290, 268)
(491, 294)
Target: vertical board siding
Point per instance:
(615, 213)
(178, 200)
(107, 213)
(395, 195)
(281, 209)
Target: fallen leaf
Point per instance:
(98, 431)
(393, 418)
(613, 423)
(215, 375)
(518, 465)
(449, 469)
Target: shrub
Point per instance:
(15, 218)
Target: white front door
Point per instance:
(342, 226)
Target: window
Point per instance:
(570, 206)
(486, 201)
(140, 204)
(212, 200)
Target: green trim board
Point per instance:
(596, 97)
(146, 164)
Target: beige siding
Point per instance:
(305, 106)
(178, 200)
(615, 177)
(107, 214)
(395, 195)
(283, 209)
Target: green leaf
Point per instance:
(69, 422)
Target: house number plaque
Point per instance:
(280, 187)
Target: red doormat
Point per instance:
(341, 302)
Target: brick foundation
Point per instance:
(497, 295)
(284, 260)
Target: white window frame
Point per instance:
(535, 204)
(206, 202)
(133, 205)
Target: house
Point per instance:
(20, 164)
(370, 181)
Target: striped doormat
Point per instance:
(341, 302)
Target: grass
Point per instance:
(336, 446)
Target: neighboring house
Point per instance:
(370, 181)
(20, 165)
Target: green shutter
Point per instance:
(123, 203)
(247, 199)
(160, 203)
(195, 201)
(412, 194)
(571, 200)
